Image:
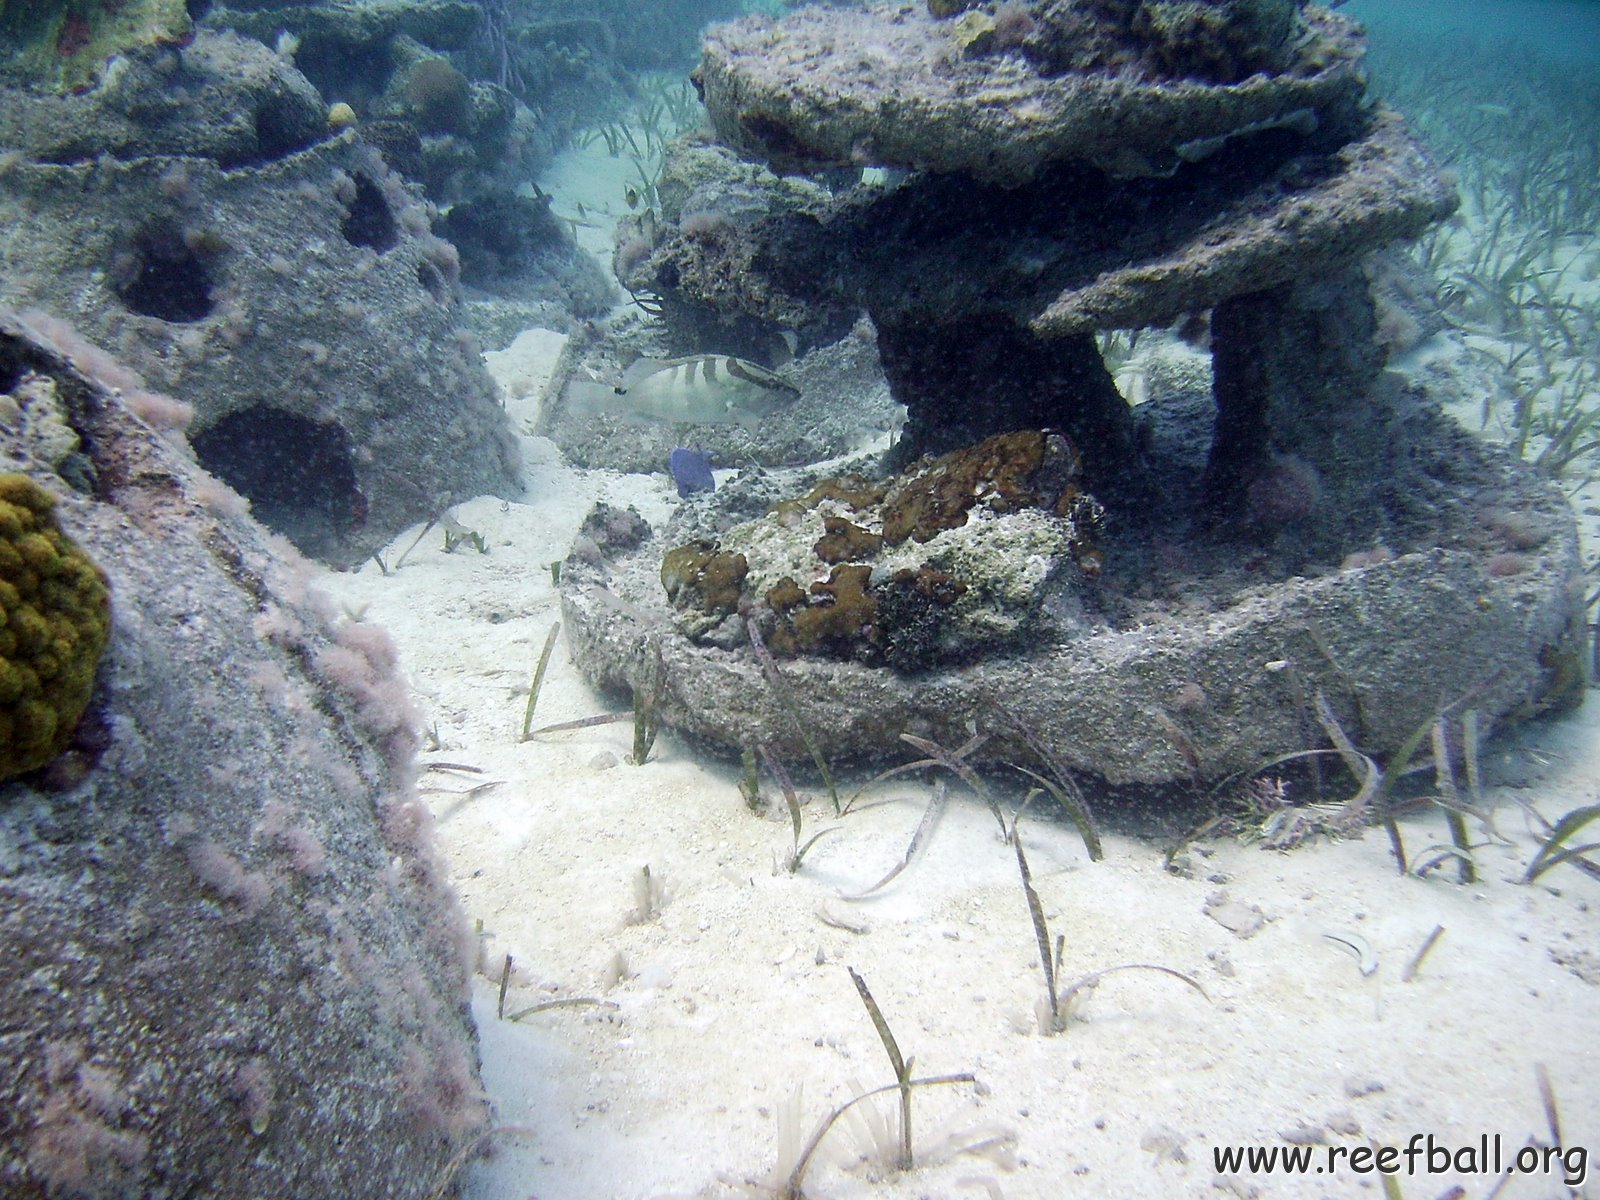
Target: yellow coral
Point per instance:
(55, 620)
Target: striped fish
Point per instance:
(706, 389)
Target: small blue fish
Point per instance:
(692, 470)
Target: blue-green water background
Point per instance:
(1565, 30)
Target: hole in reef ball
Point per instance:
(368, 222)
(162, 273)
(297, 473)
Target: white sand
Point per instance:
(734, 995)
(736, 992)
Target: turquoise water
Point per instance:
(1567, 30)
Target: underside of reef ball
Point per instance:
(1307, 543)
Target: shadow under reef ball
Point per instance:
(296, 472)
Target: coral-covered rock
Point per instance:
(955, 556)
(224, 98)
(1044, 173)
(1216, 41)
(1088, 647)
(468, 99)
(890, 86)
(1119, 166)
(703, 581)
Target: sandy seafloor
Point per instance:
(736, 1027)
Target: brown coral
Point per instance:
(843, 622)
(1005, 472)
(855, 491)
(845, 541)
(874, 606)
(785, 596)
(439, 96)
(698, 575)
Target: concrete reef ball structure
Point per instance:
(1311, 527)
(234, 966)
(194, 219)
(1046, 203)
